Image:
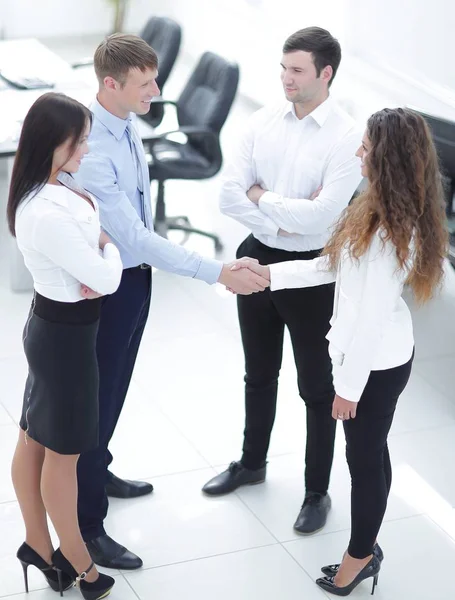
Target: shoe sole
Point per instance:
(231, 491)
(308, 533)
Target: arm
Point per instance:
(306, 216)
(238, 178)
(300, 273)
(61, 240)
(382, 289)
(122, 223)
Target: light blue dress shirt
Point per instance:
(110, 172)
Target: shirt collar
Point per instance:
(54, 193)
(319, 114)
(114, 124)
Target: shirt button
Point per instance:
(89, 219)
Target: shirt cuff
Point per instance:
(265, 205)
(209, 270)
(111, 251)
(267, 202)
(344, 391)
(278, 277)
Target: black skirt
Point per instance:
(60, 409)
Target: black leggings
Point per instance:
(368, 455)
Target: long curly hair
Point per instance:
(404, 201)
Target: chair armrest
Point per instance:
(85, 62)
(202, 134)
(188, 130)
(163, 101)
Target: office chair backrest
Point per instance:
(164, 36)
(208, 96)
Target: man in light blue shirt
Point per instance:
(116, 172)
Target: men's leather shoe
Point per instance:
(235, 476)
(313, 514)
(107, 553)
(123, 488)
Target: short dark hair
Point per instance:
(51, 121)
(326, 49)
(119, 53)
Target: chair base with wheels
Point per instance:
(163, 224)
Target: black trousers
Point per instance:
(263, 316)
(368, 457)
(123, 318)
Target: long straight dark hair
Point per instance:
(51, 121)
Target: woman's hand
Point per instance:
(343, 409)
(88, 293)
(104, 239)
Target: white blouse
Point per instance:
(371, 323)
(57, 233)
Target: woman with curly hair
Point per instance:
(394, 234)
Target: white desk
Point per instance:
(30, 57)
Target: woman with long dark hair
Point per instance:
(57, 227)
(394, 234)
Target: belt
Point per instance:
(142, 266)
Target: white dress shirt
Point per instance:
(58, 232)
(371, 326)
(291, 158)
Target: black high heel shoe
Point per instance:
(369, 570)
(95, 590)
(27, 556)
(332, 570)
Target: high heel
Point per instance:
(94, 590)
(371, 569)
(27, 556)
(332, 570)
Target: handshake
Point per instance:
(245, 276)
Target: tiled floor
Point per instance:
(183, 422)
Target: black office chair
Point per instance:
(443, 132)
(164, 36)
(202, 109)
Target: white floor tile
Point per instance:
(438, 373)
(423, 463)
(422, 406)
(265, 573)
(177, 523)
(121, 591)
(417, 565)
(277, 502)
(8, 439)
(146, 444)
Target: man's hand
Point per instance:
(243, 280)
(104, 239)
(88, 293)
(343, 409)
(255, 192)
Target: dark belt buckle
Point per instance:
(144, 266)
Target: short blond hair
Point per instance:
(119, 52)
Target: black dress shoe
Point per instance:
(313, 514)
(107, 553)
(235, 476)
(123, 488)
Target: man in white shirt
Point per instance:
(294, 172)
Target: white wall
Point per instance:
(411, 39)
(395, 51)
(250, 32)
